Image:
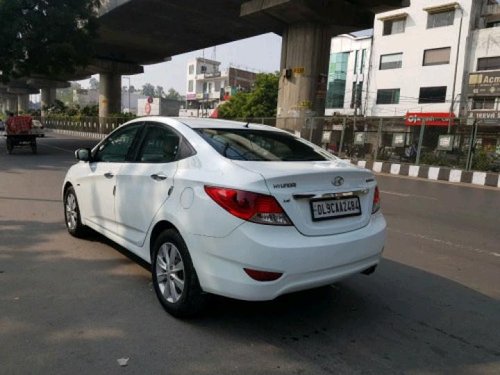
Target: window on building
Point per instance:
(190, 85)
(392, 61)
(356, 57)
(394, 26)
(337, 75)
(432, 94)
(488, 63)
(203, 69)
(483, 103)
(191, 69)
(388, 96)
(356, 95)
(363, 61)
(437, 56)
(440, 19)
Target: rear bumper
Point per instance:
(306, 262)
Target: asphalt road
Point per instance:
(71, 306)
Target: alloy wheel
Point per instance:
(71, 211)
(170, 272)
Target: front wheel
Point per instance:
(72, 214)
(174, 277)
(10, 146)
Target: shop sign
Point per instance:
(445, 142)
(489, 118)
(484, 83)
(398, 140)
(359, 138)
(430, 118)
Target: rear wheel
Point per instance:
(72, 214)
(174, 277)
(10, 146)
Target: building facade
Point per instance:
(207, 86)
(348, 74)
(418, 60)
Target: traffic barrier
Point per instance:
(433, 173)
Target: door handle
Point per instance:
(158, 177)
(109, 175)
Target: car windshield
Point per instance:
(261, 145)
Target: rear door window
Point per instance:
(160, 145)
(261, 145)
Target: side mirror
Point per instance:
(83, 154)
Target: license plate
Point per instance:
(326, 209)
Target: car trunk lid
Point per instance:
(321, 198)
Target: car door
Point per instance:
(97, 188)
(144, 186)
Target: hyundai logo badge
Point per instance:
(338, 181)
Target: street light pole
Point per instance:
(128, 92)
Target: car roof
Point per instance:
(203, 123)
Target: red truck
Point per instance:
(18, 130)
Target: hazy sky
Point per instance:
(261, 53)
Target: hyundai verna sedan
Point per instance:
(240, 210)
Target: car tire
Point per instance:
(174, 278)
(10, 146)
(72, 216)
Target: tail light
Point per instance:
(376, 200)
(262, 275)
(258, 208)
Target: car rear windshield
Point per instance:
(261, 145)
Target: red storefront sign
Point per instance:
(430, 118)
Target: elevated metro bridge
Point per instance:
(133, 33)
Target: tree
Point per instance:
(261, 101)
(48, 38)
(173, 94)
(94, 84)
(148, 90)
(159, 92)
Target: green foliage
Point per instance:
(50, 38)
(94, 83)
(148, 90)
(261, 101)
(173, 94)
(481, 161)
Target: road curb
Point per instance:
(432, 173)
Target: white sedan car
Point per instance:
(240, 210)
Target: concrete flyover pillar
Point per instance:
(48, 99)
(303, 82)
(12, 104)
(110, 94)
(23, 101)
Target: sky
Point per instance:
(261, 53)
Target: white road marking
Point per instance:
(407, 195)
(444, 242)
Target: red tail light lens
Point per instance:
(262, 275)
(258, 208)
(376, 200)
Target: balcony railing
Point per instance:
(491, 10)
